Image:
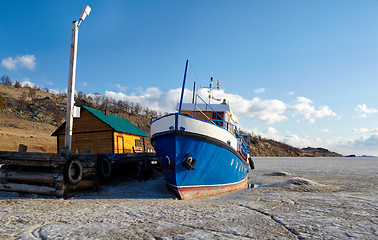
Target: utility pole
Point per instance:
(71, 79)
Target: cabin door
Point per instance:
(120, 144)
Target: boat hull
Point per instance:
(218, 167)
(186, 193)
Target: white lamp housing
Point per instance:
(85, 12)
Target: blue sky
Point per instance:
(301, 72)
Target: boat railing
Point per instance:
(197, 109)
(244, 145)
(224, 124)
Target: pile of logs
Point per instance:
(46, 173)
(65, 175)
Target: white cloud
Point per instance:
(364, 110)
(267, 111)
(152, 98)
(271, 131)
(25, 61)
(121, 88)
(49, 83)
(366, 145)
(360, 130)
(259, 90)
(290, 93)
(325, 130)
(367, 142)
(57, 91)
(9, 63)
(305, 108)
(27, 83)
(85, 84)
(363, 115)
(263, 111)
(290, 138)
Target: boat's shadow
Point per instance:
(130, 188)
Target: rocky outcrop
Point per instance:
(319, 152)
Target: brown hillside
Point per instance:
(33, 115)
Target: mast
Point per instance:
(183, 85)
(194, 91)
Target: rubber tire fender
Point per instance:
(251, 163)
(104, 168)
(73, 171)
(169, 162)
(189, 162)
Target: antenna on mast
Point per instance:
(211, 89)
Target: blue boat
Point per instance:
(201, 149)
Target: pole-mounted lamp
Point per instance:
(71, 78)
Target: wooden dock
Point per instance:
(65, 175)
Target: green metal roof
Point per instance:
(119, 124)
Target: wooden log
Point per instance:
(89, 172)
(32, 163)
(32, 177)
(83, 184)
(27, 188)
(31, 159)
(30, 156)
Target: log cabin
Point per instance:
(100, 132)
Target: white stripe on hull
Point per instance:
(193, 125)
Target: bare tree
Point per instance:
(6, 80)
(17, 84)
(147, 111)
(105, 103)
(127, 106)
(132, 110)
(120, 106)
(137, 108)
(154, 113)
(80, 95)
(97, 97)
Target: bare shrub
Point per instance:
(3, 103)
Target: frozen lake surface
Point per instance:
(296, 198)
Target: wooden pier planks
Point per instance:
(42, 173)
(27, 188)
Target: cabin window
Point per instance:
(138, 145)
(138, 142)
